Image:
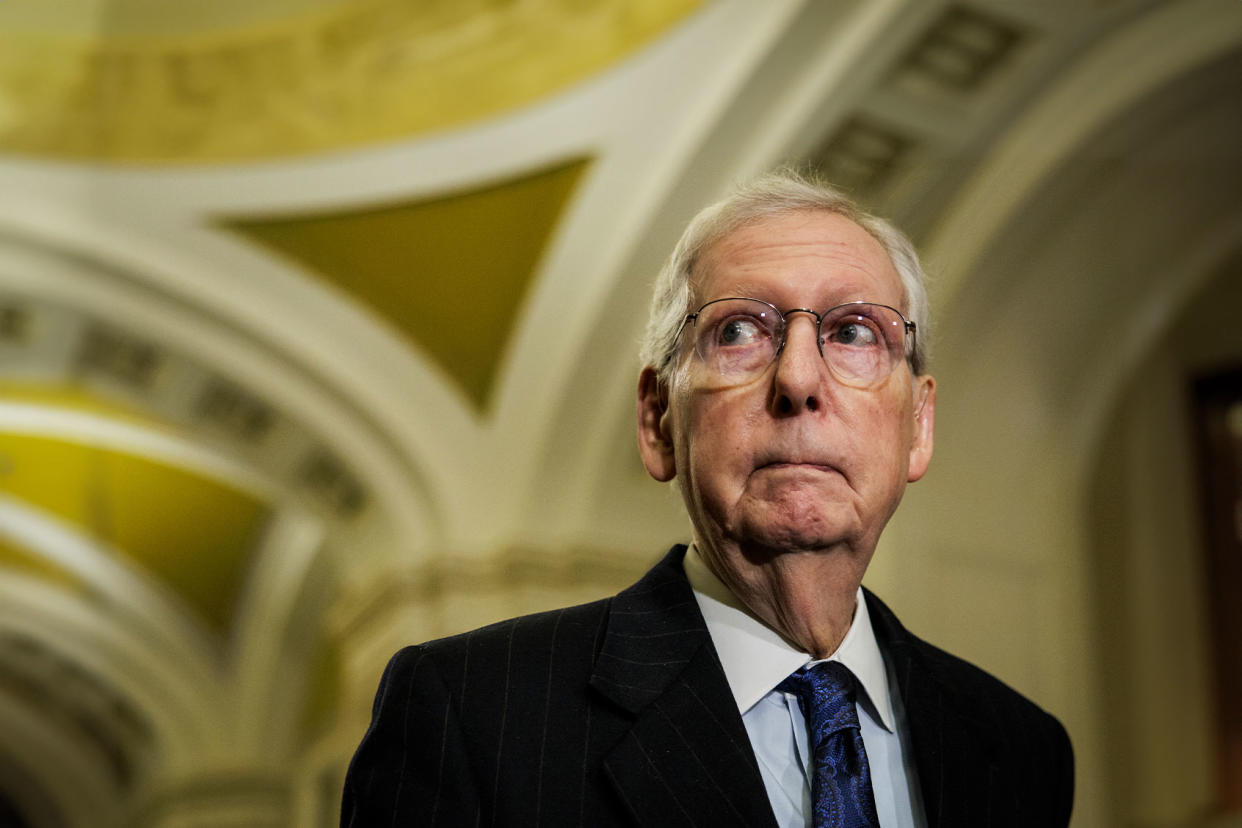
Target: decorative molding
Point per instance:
(862, 156)
(510, 569)
(961, 51)
(61, 689)
(1119, 71)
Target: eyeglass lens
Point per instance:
(737, 339)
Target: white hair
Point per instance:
(775, 193)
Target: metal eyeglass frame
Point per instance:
(909, 326)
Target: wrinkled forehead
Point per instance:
(799, 257)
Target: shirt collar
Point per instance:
(756, 659)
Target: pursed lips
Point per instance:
(796, 462)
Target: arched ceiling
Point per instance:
(313, 309)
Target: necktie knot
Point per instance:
(826, 691)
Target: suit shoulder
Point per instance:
(976, 684)
(577, 628)
(978, 693)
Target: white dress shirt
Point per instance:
(756, 660)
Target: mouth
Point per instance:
(809, 465)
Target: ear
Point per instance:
(655, 440)
(924, 426)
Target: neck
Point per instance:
(807, 597)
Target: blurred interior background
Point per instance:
(318, 324)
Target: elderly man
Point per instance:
(748, 680)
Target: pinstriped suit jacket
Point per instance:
(618, 713)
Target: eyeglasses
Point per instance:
(736, 339)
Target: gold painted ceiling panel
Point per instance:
(194, 534)
(450, 274)
(136, 85)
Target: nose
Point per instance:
(799, 382)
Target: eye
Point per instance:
(740, 331)
(857, 332)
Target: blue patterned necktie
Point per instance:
(841, 795)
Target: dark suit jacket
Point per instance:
(618, 713)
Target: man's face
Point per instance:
(792, 460)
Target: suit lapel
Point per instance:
(953, 752)
(687, 758)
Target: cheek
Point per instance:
(717, 456)
(879, 437)
(893, 438)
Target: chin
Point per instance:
(804, 522)
(791, 537)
